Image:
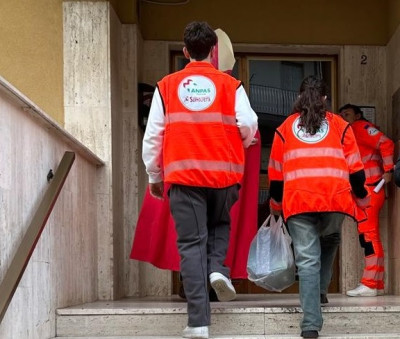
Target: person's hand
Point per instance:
(157, 190)
(275, 212)
(387, 176)
(254, 141)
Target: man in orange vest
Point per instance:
(376, 151)
(199, 123)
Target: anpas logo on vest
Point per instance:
(372, 131)
(196, 92)
(302, 135)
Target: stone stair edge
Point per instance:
(284, 336)
(74, 311)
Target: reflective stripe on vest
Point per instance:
(371, 156)
(276, 165)
(316, 172)
(313, 152)
(201, 117)
(387, 160)
(372, 171)
(320, 152)
(203, 165)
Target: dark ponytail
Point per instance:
(311, 104)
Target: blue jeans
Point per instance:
(316, 238)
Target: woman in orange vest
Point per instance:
(376, 151)
(316, 177)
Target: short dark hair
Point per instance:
(199, 38)
(355, 108)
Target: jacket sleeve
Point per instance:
(245, 116)
(275, 172)
(153, 139)
(386, 148)
(372, 137)
(354, 163)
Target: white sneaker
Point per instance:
(222, 286)
(362, 291)
(195, 332)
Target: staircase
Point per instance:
(260, 316)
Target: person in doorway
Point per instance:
(376, 151)
(397, 173)
(199, 123)
(155, 235)
(316, 177)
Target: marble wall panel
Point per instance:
(393, 88)
(362, 81)
(131, 157)
(88, 113)
(155, 65)
(62, 269)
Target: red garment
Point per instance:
(155, 236)
(200, 115)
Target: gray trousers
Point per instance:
(202, 222)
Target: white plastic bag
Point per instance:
(270, 263)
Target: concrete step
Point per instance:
(250, 316)
(338, 336)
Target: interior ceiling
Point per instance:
(368, 22)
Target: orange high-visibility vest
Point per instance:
(376, 150)
(315, 169)
(202, 143)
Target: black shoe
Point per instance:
(309, 334)
(324, 299)
(213, 295)
(181, 292)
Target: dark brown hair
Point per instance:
(311, 104)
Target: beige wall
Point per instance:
(32, 43)
(393, 86)
(394, 16)
(270, 22)
(31, 40)
(363, 84)
(63, 268)
(31, 51)
(101, 111)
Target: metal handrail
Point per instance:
(272, 100)
(32, 235)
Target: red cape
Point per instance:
(155, 236)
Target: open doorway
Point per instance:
(272, 83)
